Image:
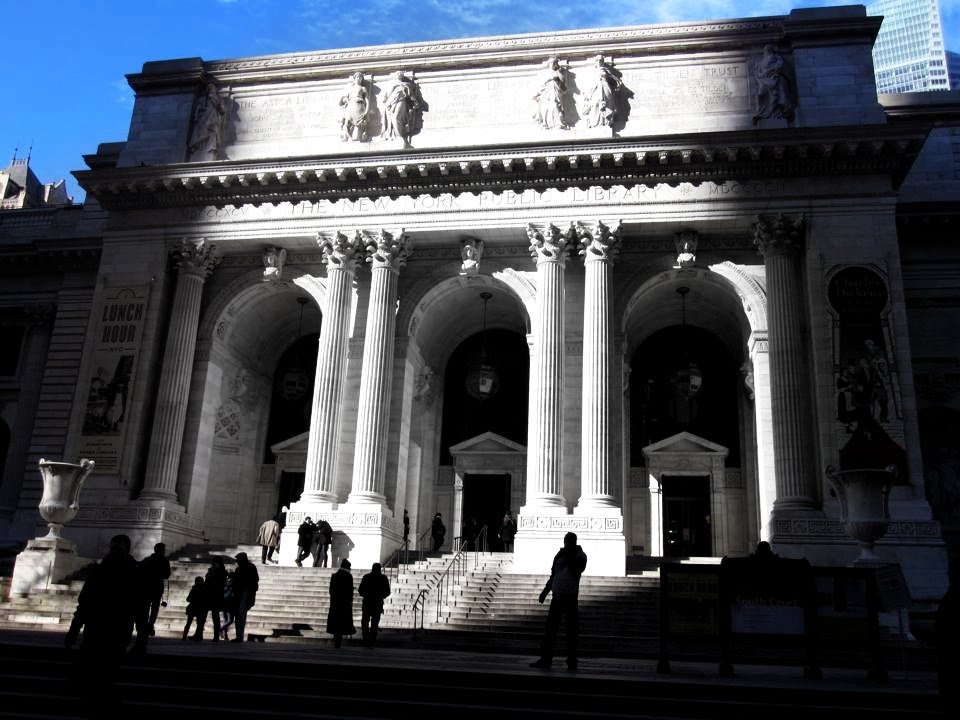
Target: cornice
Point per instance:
(717, 157)
(646, 39)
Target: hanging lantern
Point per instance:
(687, 378)
(296, 381)
(482, 381)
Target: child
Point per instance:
(195, 607)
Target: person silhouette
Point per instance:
(564, 583)
(340, 614)
(374, 589)
(106, 609)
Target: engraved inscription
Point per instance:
(688, 89)
(283, 117)
(470, 102)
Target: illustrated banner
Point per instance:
(118, 333)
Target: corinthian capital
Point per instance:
(778, 234)
(548, 243)
(196, 257)
(598, 242)
(341, 251)
(388, 250)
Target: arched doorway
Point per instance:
(690, 379)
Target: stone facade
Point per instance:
(580, 178)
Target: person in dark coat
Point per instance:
(324, 540)
(213, 588)
(106, 609)
(152, 574)
(564, 583)
(438, 531)
(508, 531)
(374, 589)
(340, 615)
(406, 529)
(246, 582)
(305, 534)
(196, 609)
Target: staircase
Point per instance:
(488, 608)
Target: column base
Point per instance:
(363, 533)
(540, 536)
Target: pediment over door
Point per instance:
(291, 454)
(488, 452)
(683, 443)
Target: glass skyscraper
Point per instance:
(908, 55)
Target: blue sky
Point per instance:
(66, 60)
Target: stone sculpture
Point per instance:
(209, 122)
(355, 110)
(403, 109)
(471, 251)
(602, 103)
(273, 261)
(775, 96)
(550, 93)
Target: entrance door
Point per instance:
(686, 521)
(486, 498)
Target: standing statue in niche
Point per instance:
(551, 90)
(775, 96)
(355, 110)
(403, 109)
(209, 121)
(601, 105)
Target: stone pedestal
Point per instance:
(44, 562)
(540, 536)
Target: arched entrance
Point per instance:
(692, 421)
(257, 357)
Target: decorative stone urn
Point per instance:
(864, 495)
(62, 482)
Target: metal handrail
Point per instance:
(442, 584)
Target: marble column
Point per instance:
(195, 260)
(387, 253)
(599, 246)
(779, 239)
(550, 246)
(340, 255)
